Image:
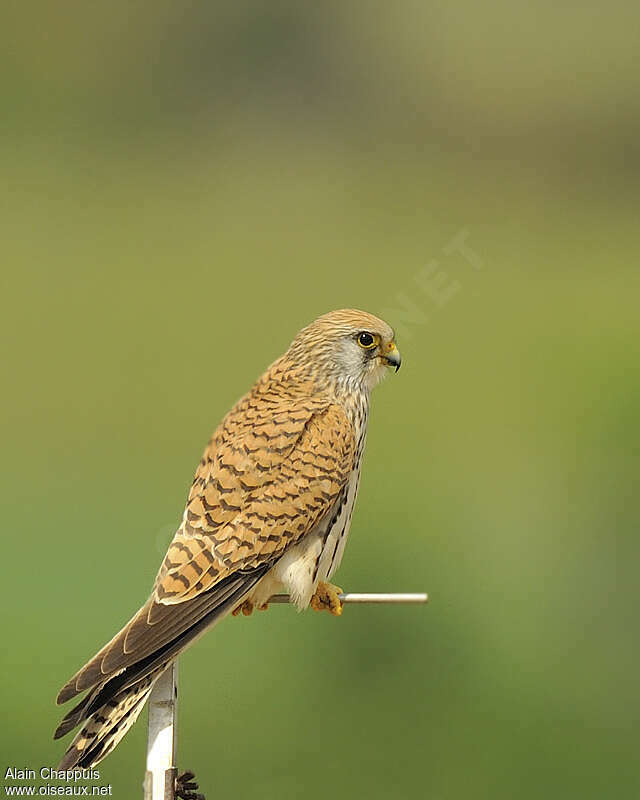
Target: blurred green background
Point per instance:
(184, 186)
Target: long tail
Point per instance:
(120, 677)
(107, 724)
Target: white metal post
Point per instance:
(160, 778)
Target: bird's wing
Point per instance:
(266, 479)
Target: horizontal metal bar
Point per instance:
(368, 597)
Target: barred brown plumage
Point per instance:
(269, 509)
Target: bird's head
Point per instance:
(347, 347)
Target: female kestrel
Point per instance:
(269, 510)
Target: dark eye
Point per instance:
(366, 340)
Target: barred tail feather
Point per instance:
(118, 691)
(108, 724)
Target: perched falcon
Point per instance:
(269, 510)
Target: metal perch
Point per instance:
(161, 779)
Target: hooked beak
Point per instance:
(391, 355)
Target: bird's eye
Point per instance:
(366, 340)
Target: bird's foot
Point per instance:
(248, 607)
(327, 598)
(186, 787)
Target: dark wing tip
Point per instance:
(60, 731)
(67, 692)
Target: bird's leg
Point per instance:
(327, 598)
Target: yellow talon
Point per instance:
(327, 598)
(246, 608)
